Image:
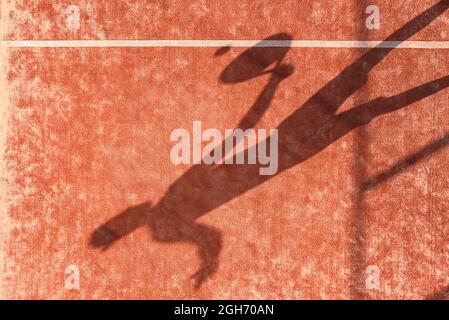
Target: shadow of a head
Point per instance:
(254, 61)
(121, 225)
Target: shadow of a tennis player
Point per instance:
(310, 129)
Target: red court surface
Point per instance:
(88, 187)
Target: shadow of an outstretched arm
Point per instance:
(365, 113)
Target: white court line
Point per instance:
(223, 43)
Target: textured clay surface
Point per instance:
(87, 181)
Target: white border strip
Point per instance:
(223, 43)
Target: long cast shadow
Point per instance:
(407, 162)
(307, 131)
